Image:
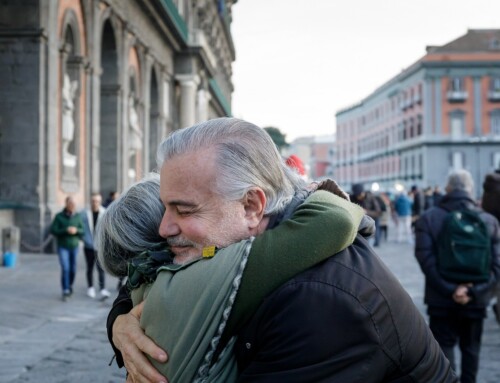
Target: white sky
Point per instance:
(300, 61)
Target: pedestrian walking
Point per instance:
(428, 198)
(402, 206)
(90, 218)
(67, 227)
(385, 205)
(458, 249)
(113, 195)
(491, 204)
(436, 196)
(418, 204)
(367, 201)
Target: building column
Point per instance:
(189, 86)
(477, 129)
(438, 114)
(428, 122)
(203, 101)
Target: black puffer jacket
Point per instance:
(346, 320)
(491, 195)
(438, 291)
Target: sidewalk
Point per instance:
(45, 340)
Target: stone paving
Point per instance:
(45, 340)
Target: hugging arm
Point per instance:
(322, 226)
(322, 213)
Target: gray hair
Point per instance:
(130, 225)
(246, 157)
(460, 180)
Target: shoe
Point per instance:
(65, 295)
(104, 294)
(91, 292)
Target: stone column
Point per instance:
(203, 101)
(189, 85)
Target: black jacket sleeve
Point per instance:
(345, 320)
(121, 305)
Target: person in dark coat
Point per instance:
(418, 205)
(456, 310)
(346, 320)
(491, 203)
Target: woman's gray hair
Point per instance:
(130, 225)
(460, 180)
(246, 157)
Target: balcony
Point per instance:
(456, 95)
(494, 95)
(417, 99)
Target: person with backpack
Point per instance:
(458, 249)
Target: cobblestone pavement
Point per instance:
(45, 340)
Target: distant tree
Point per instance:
(277, 136)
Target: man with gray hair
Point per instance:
(457, 299)
(345, 320)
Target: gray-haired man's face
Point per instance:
(195, 215)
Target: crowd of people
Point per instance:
(239, 269)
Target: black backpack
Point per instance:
(464, 248)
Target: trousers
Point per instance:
(67, 261)
(467, 332)
(91, 259)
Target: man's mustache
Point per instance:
(180, 242)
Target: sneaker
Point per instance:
(91, 292)
(65, 295)
(105, 294)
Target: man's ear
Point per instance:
(254, 203)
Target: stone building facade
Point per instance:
(441, 113)
(88, 88)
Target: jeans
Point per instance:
(467, 332)
(67, 260)
(91, 258)
(404, 229)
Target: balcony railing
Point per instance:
(494, 95)
(457, 95)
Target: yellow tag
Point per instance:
(208, 252)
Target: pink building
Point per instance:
(441, 113)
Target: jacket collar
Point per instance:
(457, 200)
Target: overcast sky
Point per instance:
(300, 61)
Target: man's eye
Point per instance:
(184, 212)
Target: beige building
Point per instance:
(90, 87)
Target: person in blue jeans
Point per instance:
(67, 227)
(403, 207)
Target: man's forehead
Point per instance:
(188, 170)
